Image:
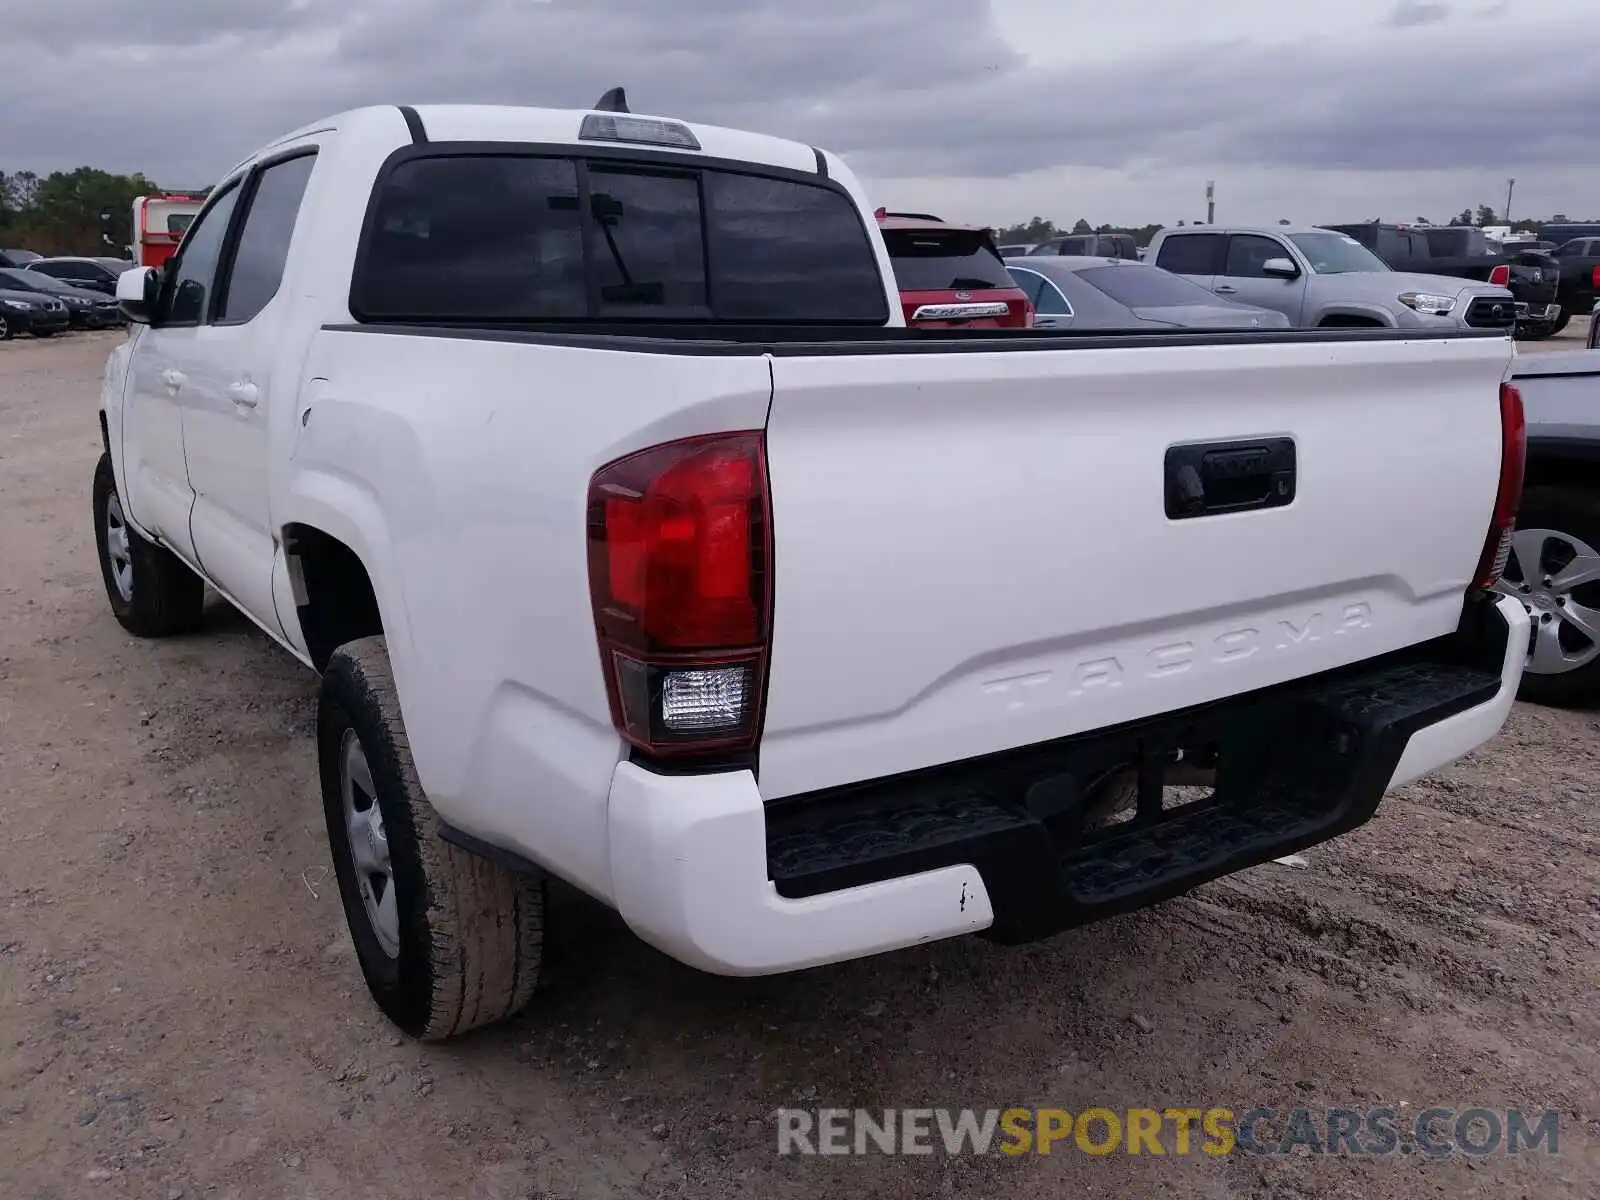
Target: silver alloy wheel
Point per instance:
(118, 553)
(369, 844)
(5, 330)
(1548, 599)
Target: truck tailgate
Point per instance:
(972, 550)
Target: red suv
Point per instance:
(951, 276)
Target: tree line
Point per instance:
(61, 213)
(1038, 229)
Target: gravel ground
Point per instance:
(181, 1013)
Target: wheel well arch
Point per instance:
(333, 592)
(1350, 320)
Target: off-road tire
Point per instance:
(1576, 511)
(471, 932)
(167, 597)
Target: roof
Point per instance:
(511, 123)
(1263, 229)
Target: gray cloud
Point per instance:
(184, 88)
(1410, 13)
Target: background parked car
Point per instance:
(950, 276)
(1115, 293)
(1580, 276)
(86, 309)
(1319, 278)
(96, 274)
(1016, 249)
(30, 312)
(1463, 252)
(1564, 233)
(17, 258)
(1093, 245)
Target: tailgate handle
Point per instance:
(1211, 478)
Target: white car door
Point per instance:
(157, 489)
(236, 356)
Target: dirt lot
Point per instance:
(181, 1013)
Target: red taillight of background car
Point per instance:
(680, 580)
(1501, 276)
(1508, 496)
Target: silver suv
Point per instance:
(1317, 277)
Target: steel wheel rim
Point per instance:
(369, 844)
(1565, 634)
(4, 328)
(119, 555)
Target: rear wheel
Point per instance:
(1554, 571)
(6, 332)
(152, 592)
(448, 941)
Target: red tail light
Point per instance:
(1501, 276)
(1513, 464)
(1032, 313)
(1595, 278)
(680, 578)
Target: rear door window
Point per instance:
(941, 260)
(522, 238)
(263, 245)
(1029, 281)
(1191, 253)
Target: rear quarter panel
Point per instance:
(463, 467)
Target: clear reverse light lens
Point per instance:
(705, 699)
(645, 131)
(1427, 302)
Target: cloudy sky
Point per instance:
(986, 110)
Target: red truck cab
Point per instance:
(951, 276)
(158, 226)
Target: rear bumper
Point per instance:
(1537, 312)
(708, 873)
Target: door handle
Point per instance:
(1224, 289)
(1207, 478)
(173, 379)
(245, 395)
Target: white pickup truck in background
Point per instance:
(637, 542)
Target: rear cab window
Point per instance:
(517, 237)
(939, 260)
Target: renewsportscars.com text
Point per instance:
(1375, 1132)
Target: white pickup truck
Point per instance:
(637, 542)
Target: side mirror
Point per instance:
(1280, 268)
(138, 291)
